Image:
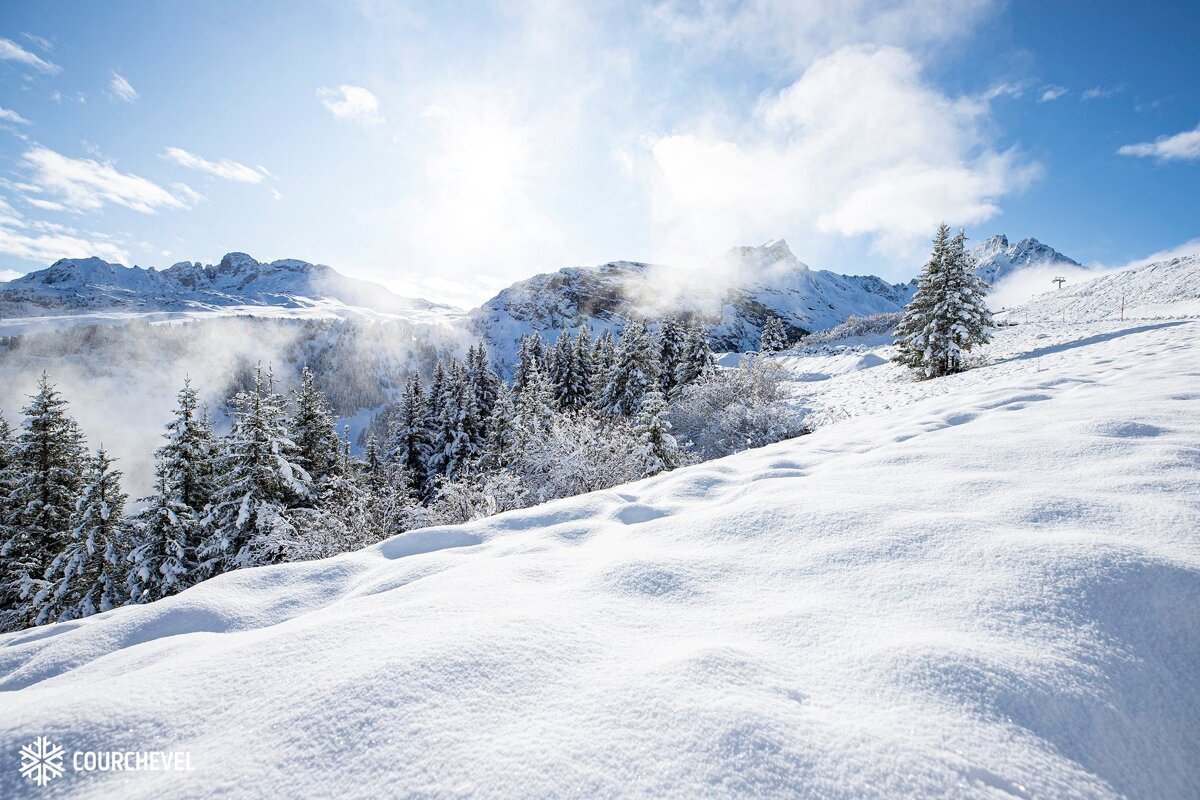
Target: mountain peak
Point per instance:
(996, 258)
(236, 262)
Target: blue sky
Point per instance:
(447, 149)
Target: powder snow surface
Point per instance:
(983, 586)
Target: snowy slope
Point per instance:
(734, 295)
(990, 590)
(997, 260)
(79, 286)
(1161, 289)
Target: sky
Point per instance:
(446, 149)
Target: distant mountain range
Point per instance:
(733, 295)
(91, 284)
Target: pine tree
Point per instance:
(535, 405)
(504, 436)
(585, 367)
(654, 433)
(564, 372)
(696, 363)
(633, 373)
(88, 575)
(483, 378)
(459, 429)
(260, 480)
(166, 534)
(947, 316)
(408, 445)
(531, 354)
(314, 430)
(672, 348)
(49, 461)
(603, 355)
(774, 336)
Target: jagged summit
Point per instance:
(997, 259)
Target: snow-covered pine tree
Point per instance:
(484, 379)
(459, 431)
(531, 353)
(654, 433)
(634, 371)
(49, 461)
(535, 405)
(774, 336)
(947, 316)
(503, 445)
(408, 445)
(604, 353)
(259, 480)
(585, 367)
(166, 534)
(570, 391)
(88, 574)
(696, 363)
(672, 347)
(314, 431)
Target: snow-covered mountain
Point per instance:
(996, 259)
(984, 585)
(72, 286)
(1160, 289)
(734, 295)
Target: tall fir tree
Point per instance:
(314, 431)
(88, 574)
(408, 444)
(570, 391)
(653, 430)
(459, 430)
(535, 405)
(484, 379)
(603, 356)
(166, 534)
(672, 348)
(633, 373)
(586, 367)
(947, 316)
(260, 480)
(49, 460)
(503, 445)
(696, 363)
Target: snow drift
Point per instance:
(991, 591)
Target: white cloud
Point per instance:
(40, 42)
(46, 242)
(859, 145)
(229, 170)
(1052, 93)
(82, 184)
(8, 115)
(1097, 92)
(9, 275)
(351, 103)
(1183, 146)
(45, 205)
(11, 51)
(121, 89)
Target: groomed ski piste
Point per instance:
(986, 585)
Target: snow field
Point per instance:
(986, 585)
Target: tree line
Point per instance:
(282, 484)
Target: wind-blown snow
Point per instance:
(992, 590)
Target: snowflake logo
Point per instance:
(41, 761)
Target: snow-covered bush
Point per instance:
(734, 410)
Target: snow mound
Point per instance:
(992, 590)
